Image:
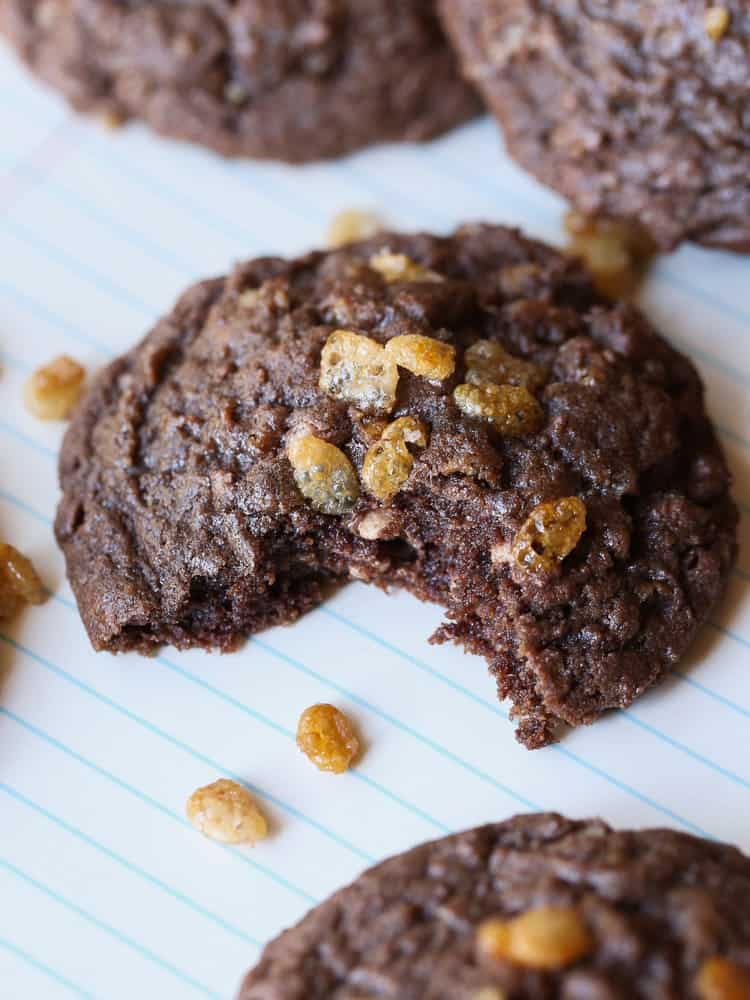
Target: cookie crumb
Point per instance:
(326, 737)
(551, 937)
(19, 582)
(226, 812)
(53, 390)
(716, 22)
(351, 226)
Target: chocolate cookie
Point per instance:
(634, 110)
(532, 909)
(461, 416)
(293, 80)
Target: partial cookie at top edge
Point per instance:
(296, 80)
(633, 111)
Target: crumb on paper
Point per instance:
(226, 812)
(53, 390)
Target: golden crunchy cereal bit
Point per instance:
(274, 293)
(388, 463)
(352, 225)
(227, 812)
(615, 252)
(549, 534)
(53, 390)
(489, 362)
(386, 468)
(372, 430)
(325, 735)
(111, 119)
(547, 938)
(395, 267)
(489, 993)
(512, 409)
(356, 369)
(423, 356)
(514, 280)
(716, 22)
(19, 583)
(323, 474)
(407, 429)
(722, 979)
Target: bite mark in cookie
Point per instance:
(531, 457)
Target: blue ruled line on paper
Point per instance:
(40, 311)
(108, 929)
(130, 866)
(282, 188)
(46, 970)
(353, 772)
(495, 708)
(79, 268)
(397, 723)
(71, 199)
(63, 674)
(557, 748)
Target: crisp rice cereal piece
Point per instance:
(386, 468)
(487, 362)
(550, 937)
(356, 369)
(388, 463)
(19, 582)
(716, 22)
(617, 253)
(511, 409)
(397, 267)
(353, 225)
(326, 737)
(423, 356)
(722, 979)
(52, 391)
(408, 429)
(324, 475)
(550, 533)
(225, 811)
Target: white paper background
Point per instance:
(105, 890)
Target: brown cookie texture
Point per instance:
(663, 915)
(632, 110)
(293, 80)
(577, 536)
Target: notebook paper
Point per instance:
(106, 889)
